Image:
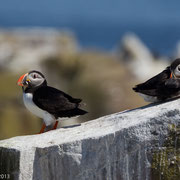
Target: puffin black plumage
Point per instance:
(164, 86)
(47, 102)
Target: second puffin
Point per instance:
(163, 86)
(47, 102)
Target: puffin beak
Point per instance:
(20, 80)
(171, 75)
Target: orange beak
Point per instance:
(20, 80)
(171, 76)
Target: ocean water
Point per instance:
(161, 40)
(101, 24)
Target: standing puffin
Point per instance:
(163, 86)
(46, 102)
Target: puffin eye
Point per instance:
(177, 71)
(34, 76)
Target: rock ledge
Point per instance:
(117, 146)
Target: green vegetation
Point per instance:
(166, 161)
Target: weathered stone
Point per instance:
(28, 48)
(121, 146)
(139, 58)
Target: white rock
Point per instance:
(139, 58)
(117, 146)
(24, 49)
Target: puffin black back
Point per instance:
(56, 102)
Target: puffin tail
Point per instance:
(71, 113)
(136, 89)
(78, 111)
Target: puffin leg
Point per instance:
(42, 129)
(55, 125)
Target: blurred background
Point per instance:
(94, 50)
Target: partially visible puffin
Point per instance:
(163, 86)
(47, 102)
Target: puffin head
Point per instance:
(175, 68)
(33, 79)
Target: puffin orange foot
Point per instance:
(42, 129)
(55, 125)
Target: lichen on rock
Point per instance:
(166, 159)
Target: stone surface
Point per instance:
(120, 146)
(139, 58)
(24, 48)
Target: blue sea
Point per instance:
(100, 24)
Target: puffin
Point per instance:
(163, 86)
(47, 102)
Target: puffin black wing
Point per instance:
(155, 84)
(57, 102)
